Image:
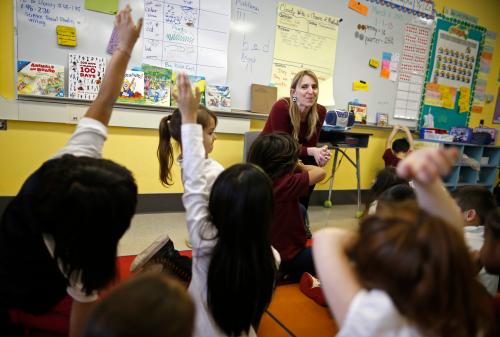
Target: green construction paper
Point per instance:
(103, 6)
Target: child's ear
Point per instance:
(470, 215)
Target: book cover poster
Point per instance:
(132, 90)
(218, 97)
(157, 82)
(85, 75)
(196, 82)
(35, 78)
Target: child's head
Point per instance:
(423, 264)
(242, 266)
(490, 252)
(170, 127)
(84, 200)
(400, 193)
(400, 145)
(475, 202)
(152, 305)
(385, 179)
(276, 153)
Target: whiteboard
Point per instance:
(251, 44)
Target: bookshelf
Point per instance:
(462, 173)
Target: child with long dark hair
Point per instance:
(278, 155)
(234, 265)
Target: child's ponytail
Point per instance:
(168, 129)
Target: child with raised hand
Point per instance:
(59, 235)
(407, 271)
(151, 304)
(161, 254)
(395, 150)
(278, 155)
(234, 265)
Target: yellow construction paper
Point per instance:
(304, 40)
(358, 85)
(447, 96)
(464, 99)
(66, 36)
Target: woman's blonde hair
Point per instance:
(293, 110)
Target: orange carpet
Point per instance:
(297, 314)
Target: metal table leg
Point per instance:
(358, 170)
(328, 202)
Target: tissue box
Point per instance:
(429, 133)
(461, 134)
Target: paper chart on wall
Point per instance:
(188, 37)
(412, 71)
(304, 40)
(454, 60)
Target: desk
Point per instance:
(338, 141)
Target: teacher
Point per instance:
(301, 116)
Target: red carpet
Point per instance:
(292, 309)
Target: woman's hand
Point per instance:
(186, 101)
(321, 155)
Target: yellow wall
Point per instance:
(26, 145)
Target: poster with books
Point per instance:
(35, 78)
(196, 82)
(132, 90)
(157, 83)
(85, 75)
(218, 97)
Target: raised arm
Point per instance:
(425, 167)
(336, 272)
(388, 142)
(409, 137)
(128, 32)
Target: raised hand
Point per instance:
(186, 101)
(128, 32)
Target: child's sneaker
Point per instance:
(311, 287)
(147, 254)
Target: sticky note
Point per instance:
(113, 41)
(360, 85)
(66, 36)
(385, 73)
(358, 7)
(102, 6)
(374, 63)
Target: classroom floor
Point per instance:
(146, 227)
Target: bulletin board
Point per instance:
(378, 35)
(451, 73)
